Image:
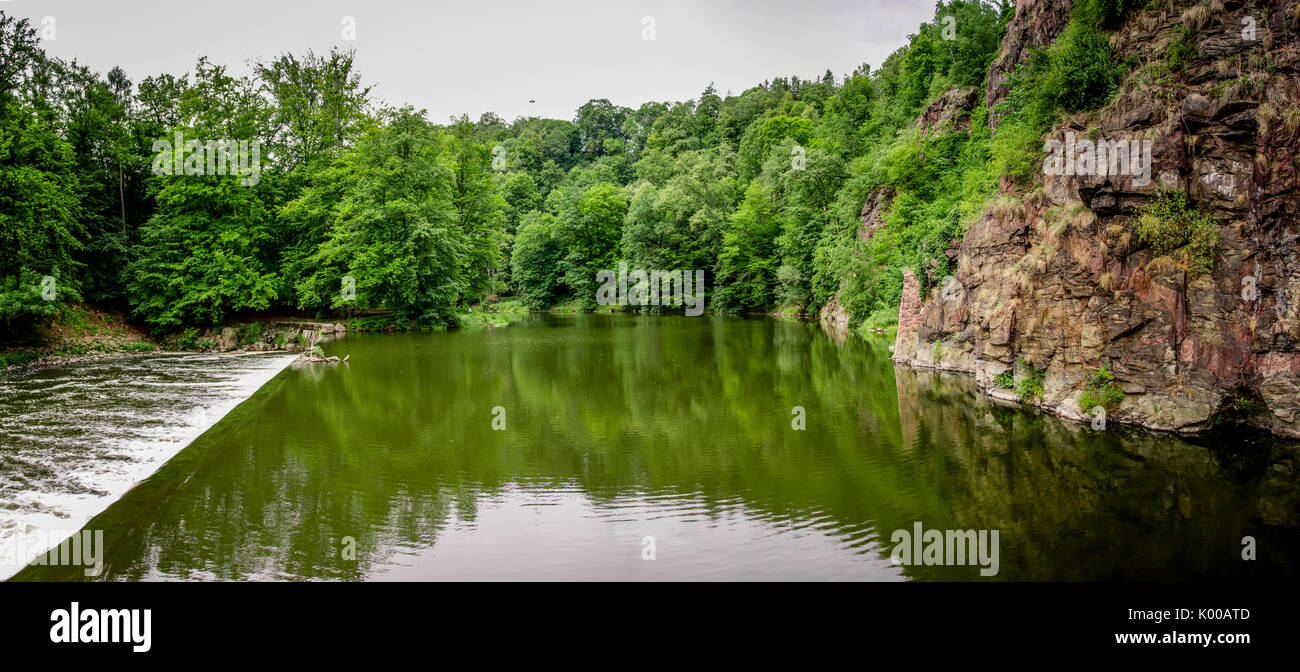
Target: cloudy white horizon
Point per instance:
(454, 58)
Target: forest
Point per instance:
(763, 190)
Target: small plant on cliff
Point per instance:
(1030, 386)
(1100, 389)
(1182, 49)
(1005, 380)
(1169, 224)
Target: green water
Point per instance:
(622, 428)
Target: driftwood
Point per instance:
(319, 360)
(308, 358)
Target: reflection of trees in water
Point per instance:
(1077, 504)
(394, 448)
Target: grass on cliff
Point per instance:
(1176, 230)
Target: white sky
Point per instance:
(473, 56)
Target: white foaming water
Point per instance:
(73, 439)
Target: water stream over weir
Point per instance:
(75, 438)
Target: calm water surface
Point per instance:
(623, 428)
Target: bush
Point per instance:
(1100, 389)
(1109, 13)
(1168, 224)
(1182, 49)
(19, 358)
(249, 333)
(1077, 72)
(186, 338)
(1030, 386)
(1005, 380)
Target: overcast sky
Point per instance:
(473, 56)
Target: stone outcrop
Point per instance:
(949, 112)
(289, 336)
(1054, 277)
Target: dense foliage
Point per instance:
(358, 206)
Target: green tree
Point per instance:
(592, 230)
(395, 231)
(748, 261)
(40, 209)
(538, 251)
(480, 211)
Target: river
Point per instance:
(572, 447)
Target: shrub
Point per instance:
(249, 333)
(1109, 13)
(1182, 49)
(1168, 224)
(186, 338)
(1100, 389)
(21, 357)
(1077, 72)
(1030, 386)
(1005, 380)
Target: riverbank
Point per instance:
(81, 333)
(85, 333)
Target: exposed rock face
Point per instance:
(873, 213)
(945, 114)
(1057, 278)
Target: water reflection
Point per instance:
(623, 428)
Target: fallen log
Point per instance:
(319, 360)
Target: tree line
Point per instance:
(762, 189)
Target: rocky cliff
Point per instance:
(1051, 278)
